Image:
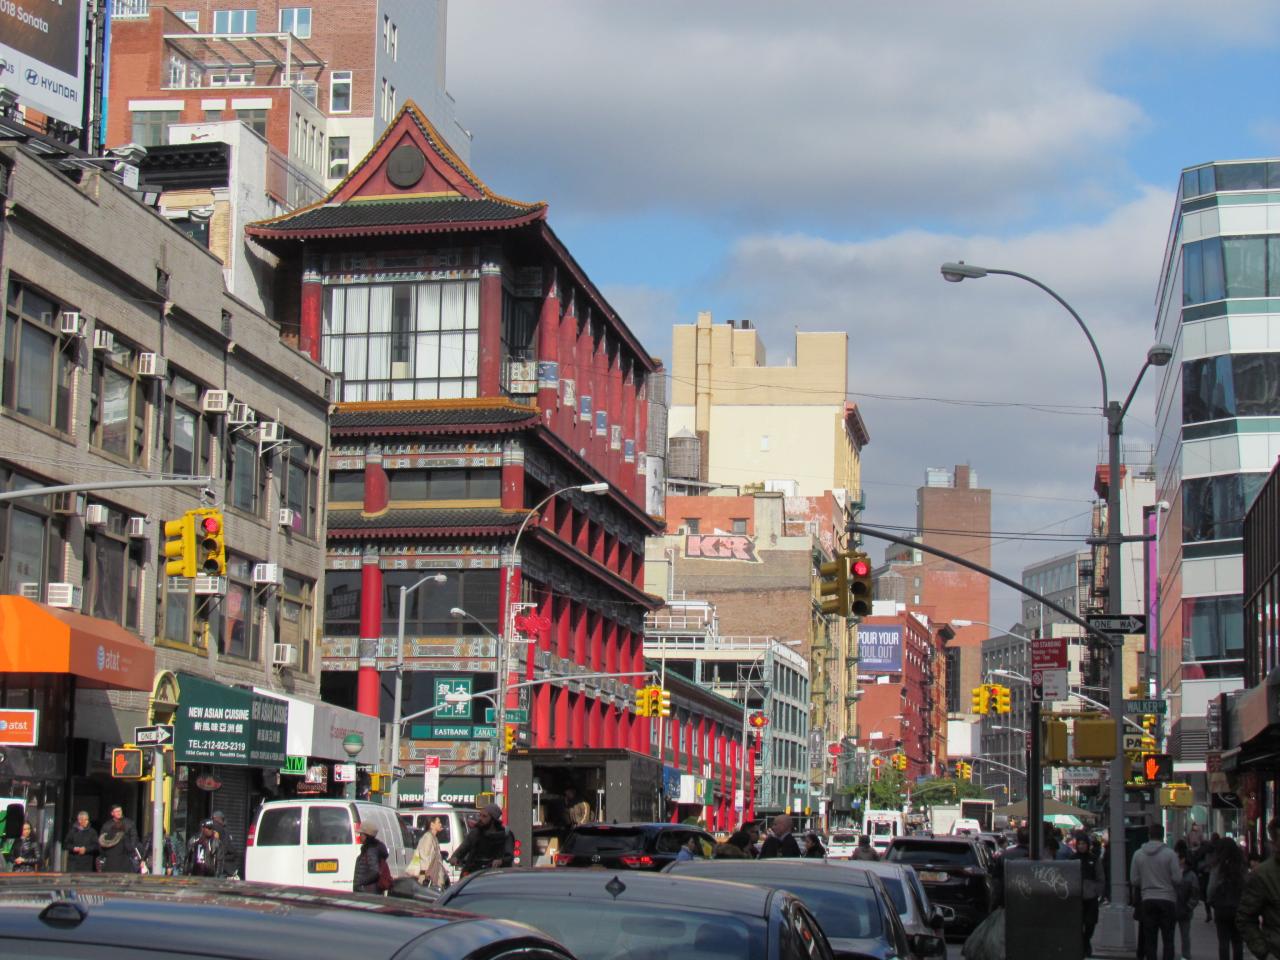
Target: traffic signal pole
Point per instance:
(159, 770)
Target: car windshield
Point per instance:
(593, 930)
(846, 838)
(844, 911)
(942, 853)
(882, 828)
(603, 841)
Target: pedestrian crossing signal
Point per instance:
(1157, 768)
(126, 763)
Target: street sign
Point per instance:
(1048, 653)
(1054, 684)
(1133, 743)
(1130, 623)
(430, 779)
(513, 715)
(154, 736)
(1146, 706)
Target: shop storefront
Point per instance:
(1241, 787)
(321, 735)
(229, 748)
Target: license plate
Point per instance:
(930, 876)
(322, 866)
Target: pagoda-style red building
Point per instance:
(477, 371)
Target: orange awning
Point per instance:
(35, 638)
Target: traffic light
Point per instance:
(375, 781)
(213, 548)
(980, 699)
(127, 763)
(859, 585)
(642, 702)
(1002, 699)
(509, 738)
(833, 586)
(1157, 768)
(899, 761)
(180, 546)
(964, 770)
(663, 700)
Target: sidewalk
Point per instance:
(1204, 939)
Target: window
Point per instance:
(382, 101)
(37, 373)
(151, 127)
(386, 33)
(427, 610)
(1230, 267)
(395, 42)
(1212, 628)
(740, 525)
(212, 116)
(112, 574)
(255, 120)
(295, 618)
(235, 21)
(691, 524)
(404, 341)
(298, 486)
(244, 476)
(296, 20)
(191, 18)
(346, 486)
(339, 157)
(235, 623)
(1213, 507)
(1237, 385)
(340, 91)
(444, 484)
(117, 404)
(32, 538)
(391, 101)
(188, 434)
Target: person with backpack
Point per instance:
(372, 874)
(1188, 896)
(1226, 886)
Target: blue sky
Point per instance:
(809, 165)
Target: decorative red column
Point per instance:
(617, 422)
(627, 466)
(580, 642)
(748, 793)
(312, 307)
(490, 384)
(642, 435)
(595, 724)
(368, 687)
(578, 722)
(597, 643)
(731, 761)
(560, 710)
(587, 401)
(512, 495)
(549, 350)
(569, 376)
(542, 715)
(611, 641)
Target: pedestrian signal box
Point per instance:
(1176, 795)
(1157, 768)
(1095, 739)
(1055, 741)
(127, 763)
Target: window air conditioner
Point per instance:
(239, 414)
(66, 503)
(215, 401)
(205, 585)
(137, 526)
(29, 590)
(63, 595)
(152, 365)
(270, 431)
(95, 515)
(103, 339)
(284, 655)
(287, 517)
(71, 323)
(266, 573)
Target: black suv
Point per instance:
(630, 846)
(955, 871)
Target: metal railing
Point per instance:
(130, 9)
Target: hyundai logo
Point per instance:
(32, 77)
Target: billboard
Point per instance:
(42, 55)
(879, 649)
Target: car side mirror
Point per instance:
(940, 915)
(927, 945)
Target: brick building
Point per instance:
(481, 373)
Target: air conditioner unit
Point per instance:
(215, 401)
(95, 515)
(66, 503)
(266, 573)
(205, 585)
(29, 590)
(270, 431)
(284, 655)
(71, 323)
(137, 526)
(239, 414)
(103, 339)
(287, 517)
(152, 365)
(63, 595)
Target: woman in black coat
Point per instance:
(81, 845)
(369, 863)
(25, 857)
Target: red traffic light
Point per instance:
(861, 568)
(210, 525)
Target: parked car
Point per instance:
(923, 920)
(630, 846)
(955, 870)
(842, 845)
(852, 906)
(603, 915)
(113, 914)
(313, 842)
(453, 821)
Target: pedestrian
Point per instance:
(230, 852)
(206, 856)
(737, 847)
(1188, 897)
(864, 850)
(1051, 848)
(1156, 875)
(1226, 885)
(688, 850)
(1258, 915)
(372, 874)
(427, 866)
(81, 845)
(781, 842)
(813, 848)
(1090, 887)
(25, 855)
(119, 844)
(1067, 848)
(487, 844)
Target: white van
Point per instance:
(882, 826)
(314, 842)
(455, 829)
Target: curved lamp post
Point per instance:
(398, 703)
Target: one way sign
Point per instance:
(1131, 623)
(154, 736)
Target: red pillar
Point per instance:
(611, 642)
(560, 711)
(627, 468)
(586, 384)
(490, 374)
(578, 722)
(510, 594)
(564, 630)
(549, 350)
(673, 722)
(748, 793)
(580, 642)
(595, 724)
(368, 688)
(312, 312)
(616, 409)
(731, 760)
(642, 435)
(513, 477)
(626, 724)
(542, 715)
(597, 643)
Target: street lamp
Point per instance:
(1114, 411)
(501, 694)
(508, 620)
(399, 685)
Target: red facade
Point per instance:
(906, 707)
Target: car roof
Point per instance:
(639, 826)
(246, 920)
(637, 887)
(920, 841)
(878, 867)
(780, 870)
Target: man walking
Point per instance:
(206, 856)
(781, 842)
(488, 844)
(1258, 916)
(1156, 876)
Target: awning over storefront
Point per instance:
(35, 638)
(317, 729)
(228, 725)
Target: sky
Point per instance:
(808, 166)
